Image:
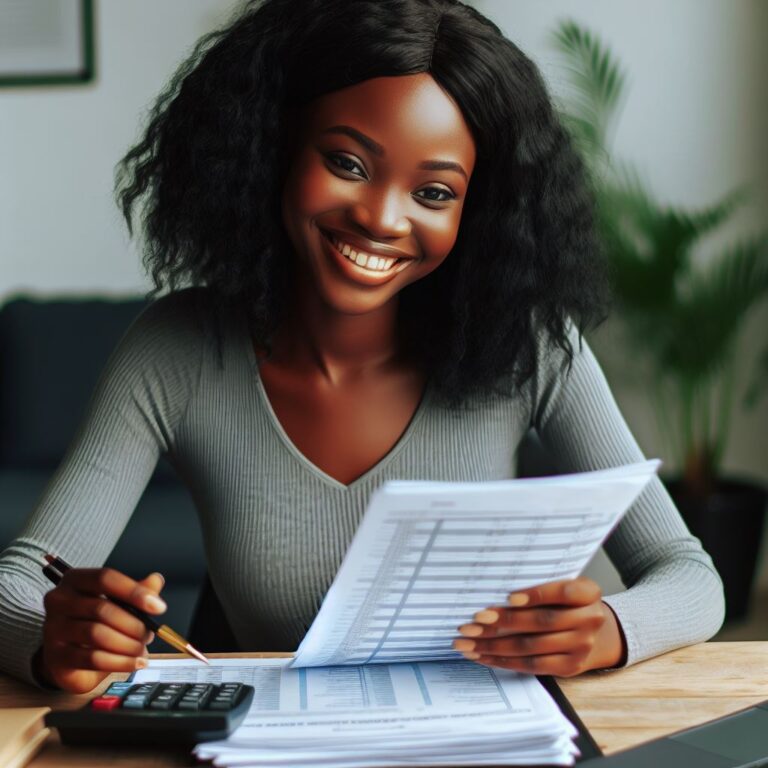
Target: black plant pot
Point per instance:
(729, 523)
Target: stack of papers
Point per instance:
(375, 681)
(431, 713)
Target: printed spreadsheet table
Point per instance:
(427, 556)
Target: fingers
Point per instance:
(524, 620)
(560, 664)
(112, 583)
(71, 605)
(155, 582)
(548, 629)
(580, 591)
(84, 631)
(74, 657)
(546, 607)
(92, 634)
(572, 641)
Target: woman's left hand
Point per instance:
(560, 628)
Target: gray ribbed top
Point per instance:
(276, 527)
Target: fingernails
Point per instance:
(162, 578)
(155, 603)
(486, 617)
(471, 630)
(464, 645)
(471, 656)
(518, 599)
(142, 663)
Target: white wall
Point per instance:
(59, 227)
(695, 123)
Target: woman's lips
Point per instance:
(365, 246)
(358, 273)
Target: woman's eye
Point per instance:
(436, 194)
(347, 164)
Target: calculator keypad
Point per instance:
(190, 697)
(196, 697)
(155, 714)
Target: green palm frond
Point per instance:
(685, 319)
(711, 313)
(650, 247)
(703, 222)
(598, 82)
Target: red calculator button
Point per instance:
(106, 702)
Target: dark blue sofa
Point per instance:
(51, 354)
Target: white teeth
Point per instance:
(374, 263)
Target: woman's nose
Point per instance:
(382, 216)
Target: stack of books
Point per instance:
(22, 733)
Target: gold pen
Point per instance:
(56, 568)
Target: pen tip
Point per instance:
(194, 652)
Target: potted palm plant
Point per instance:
(682, 319)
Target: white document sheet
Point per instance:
(328, 693)
(427, 556)
(333, 715)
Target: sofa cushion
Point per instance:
(51, 354)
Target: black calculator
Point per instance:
(158, 714)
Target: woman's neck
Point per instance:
(320, 341)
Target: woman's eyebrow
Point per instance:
(378, 150)
(360, 138)
(443, 165)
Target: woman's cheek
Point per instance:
(440, 237)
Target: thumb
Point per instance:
(154, 581)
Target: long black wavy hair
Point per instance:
(210, 168)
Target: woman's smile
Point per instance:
(373, 199)
(370, 266)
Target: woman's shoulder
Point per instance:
(556, 351)
(562, 358)
(171, 331)
(190, 308)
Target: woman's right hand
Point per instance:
(86, 637)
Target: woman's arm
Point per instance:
(674, 596)
(141, 396)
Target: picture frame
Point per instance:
(46, 42)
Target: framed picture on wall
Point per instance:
(46, 42)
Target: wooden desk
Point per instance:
(621, 708)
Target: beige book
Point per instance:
(22, 733)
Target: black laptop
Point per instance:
(738, 740)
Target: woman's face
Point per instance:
(374, 195)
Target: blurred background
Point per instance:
(691, 121)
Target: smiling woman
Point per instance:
(386, 243)
(387, 198)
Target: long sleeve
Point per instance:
(674, 595)
(139, 400)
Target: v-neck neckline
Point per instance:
(396, 449)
